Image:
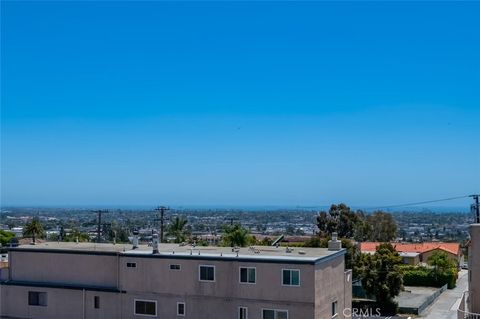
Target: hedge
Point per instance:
(422, 276)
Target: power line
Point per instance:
(424, 202)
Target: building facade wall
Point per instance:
(330, 287)
(152, 279)
(61, 303)
(474, 269)
(81, 269)
(154, 275)
(424, 256)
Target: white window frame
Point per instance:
(144, 315)
(246, 311)
(134, 264)
(184, 308)
(275, 312)
(240, 275)
(214, 273)
(299, 279)
(336, 308)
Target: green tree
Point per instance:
(339, 218)
(236, 235)
(5, 237)
(177, 229)
(363, 229)
(75, 235)
(441, 263)
(383, 227)
(381, 277)
(33, 229)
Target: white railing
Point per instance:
(465, 306)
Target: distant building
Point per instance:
(87, 280)
(416, 253)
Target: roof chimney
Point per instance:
(155, 243)
(135, 239)
(334, 243)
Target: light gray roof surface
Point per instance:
(253, 252)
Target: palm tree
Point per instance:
(177, 229)
(32, 229)
(236, 235)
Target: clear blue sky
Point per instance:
(123, 103)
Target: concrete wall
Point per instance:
(154, 275)
(61, 303)
(81, 269)
(474, 269)
(214, 308)
(152, 279)
(331, 286)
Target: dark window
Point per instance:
(36, 298)
(96, 302)
(145, 307)
(242, 313)
(268, 314)
(291, 277)
(207, 273)
(274, 314)
(181, 309)
(131, 265)
(247, 275)
(175, 267)
(334, 309)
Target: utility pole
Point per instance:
(475, 207)
(99, 223)
(162, 210)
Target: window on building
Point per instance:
(131, 265)
(96, 302)
(146, 307)
(242, 313)
(174, 267)
(334, 308)
(180, 309)
(248, 275)
(274, 314)
(291, 277)
(207, 273)
(36, 298)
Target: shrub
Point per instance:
(422, 276)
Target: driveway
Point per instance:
(445, 307)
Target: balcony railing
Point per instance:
(465, 306)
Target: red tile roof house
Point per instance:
(424, 250)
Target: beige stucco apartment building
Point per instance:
(86, 280)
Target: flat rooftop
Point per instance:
(259, 253)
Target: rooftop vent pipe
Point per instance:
(155, 243)
(135, 239)
(334, 243)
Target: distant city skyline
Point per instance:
(239, 103)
